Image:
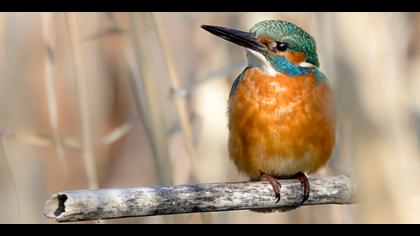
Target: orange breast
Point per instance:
(280, 125)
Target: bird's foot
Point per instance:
(304, 182)
(275, 184)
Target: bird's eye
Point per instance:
(282, 46)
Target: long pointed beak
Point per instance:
(241, 38)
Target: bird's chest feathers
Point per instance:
(280, 124)
(279, 101)
(260, 93)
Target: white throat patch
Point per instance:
(256, 59)
(306, 64)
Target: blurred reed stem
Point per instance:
(7, 180)
(81, 82)
(48, 26)
(147, 96)
(118, 132)
(42, 140)
(3, 73)
(180, 100)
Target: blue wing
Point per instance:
(236, 82)
(320, 76)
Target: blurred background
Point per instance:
(113, 100)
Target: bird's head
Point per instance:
(273, 44)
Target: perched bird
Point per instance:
(281, 110)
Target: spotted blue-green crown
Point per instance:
(283, 31)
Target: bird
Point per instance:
(281, 112)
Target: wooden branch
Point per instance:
(83, 205)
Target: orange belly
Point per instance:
(280, 125)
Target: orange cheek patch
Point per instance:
(267, 41)
(295, 57)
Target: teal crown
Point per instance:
(283, 31)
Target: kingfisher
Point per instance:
(281, 113)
